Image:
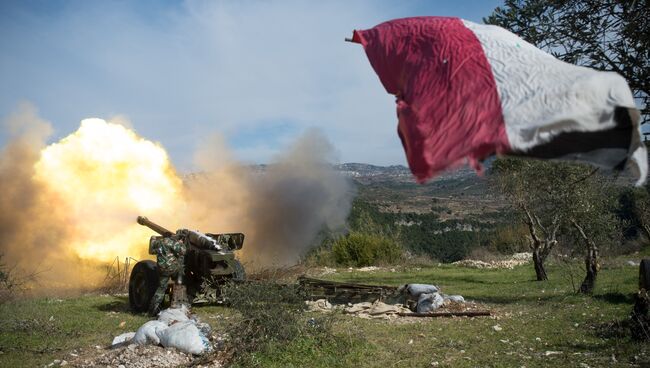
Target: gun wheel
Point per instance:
(142, 285)
(239, 273)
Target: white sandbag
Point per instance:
(204, 328)
(148, 333)
(123, 338)
(184, 336)
(429, 302)
(454, 298)
(172, 315)
(415, 290)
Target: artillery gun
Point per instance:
(210, 259)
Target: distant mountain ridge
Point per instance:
(398, 173)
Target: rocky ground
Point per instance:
(135, 356)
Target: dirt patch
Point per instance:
(137, 356)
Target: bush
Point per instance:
(13, 282)
(272, 317)
(509, 239)
(359, 249)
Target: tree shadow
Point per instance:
(616, 298)
(513, 299)
(613, 329)
(120, 305)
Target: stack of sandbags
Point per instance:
(428, 297)
(174, 328)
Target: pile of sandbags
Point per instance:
(174, 328)
(427, 298)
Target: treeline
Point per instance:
(375, 235)
(381, 237)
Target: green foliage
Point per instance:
(362, 249)
(419, 233)
(270, 312)
(555, 194)
(442, 241)
(634, 212)
(509, 239)
(366, 218)
(272, 315)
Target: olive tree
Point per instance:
(536, 189)
(554, 199)
(592, 223)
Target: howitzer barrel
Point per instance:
(202, 241)
(153, 226)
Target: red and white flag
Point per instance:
(468, 91)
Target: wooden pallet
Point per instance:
(345, 292)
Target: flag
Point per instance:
(465, 91)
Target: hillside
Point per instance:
(456, 194)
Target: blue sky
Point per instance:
(258, 73)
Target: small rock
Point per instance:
(64, 363)
(497, 328)
(57, 361)
(551, 352)
(121, 366)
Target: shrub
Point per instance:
(359, 249)
(509, 239)
(13, 282)
(272, 315)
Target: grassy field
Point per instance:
(535, 324)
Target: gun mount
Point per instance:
(209, 259)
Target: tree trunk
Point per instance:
(538, 262)
(592, 266)
(646, 230)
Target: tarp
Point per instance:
(466, 91)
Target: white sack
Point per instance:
(429, 302)
(184, 336)
(125, 337)
(415, 290)
(172, 315)
(148, 333)
(454, 298)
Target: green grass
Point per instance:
(36, 331)
(537, 320)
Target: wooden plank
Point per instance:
(338, 284)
